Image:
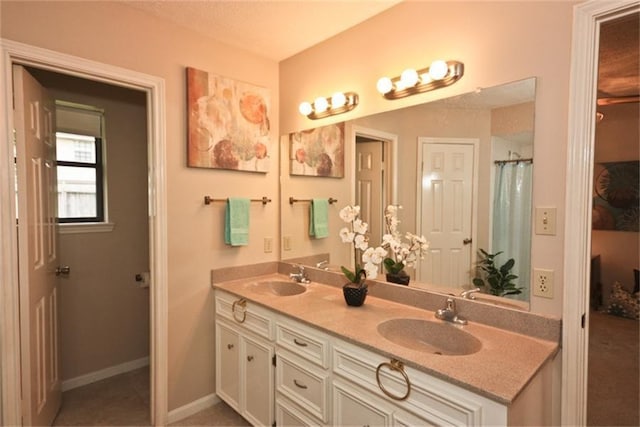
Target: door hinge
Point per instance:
(273, 360)
(583, 320)
(274, 423)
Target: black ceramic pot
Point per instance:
(354, 295)
(400, 278)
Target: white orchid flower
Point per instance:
(349, 213)
(346, 235)
(360, 227)
(371, 270)
(361, 242)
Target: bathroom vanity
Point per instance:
(296, 354)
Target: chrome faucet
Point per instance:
(323, 265)
(449, 313)
(300, 276)
(468, 294)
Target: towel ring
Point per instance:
(394, 365)
(242, 303)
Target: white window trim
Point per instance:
(86, 227)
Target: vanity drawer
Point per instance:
(302, 341)
(245, 314)
(432, 399)
(303, 383)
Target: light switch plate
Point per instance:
(546, 220)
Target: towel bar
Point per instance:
(294, 200)
(208, 200)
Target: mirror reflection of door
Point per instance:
(370, 194)
(445, 209)
(374, 178)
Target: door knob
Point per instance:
(63, 270)
(467, 241)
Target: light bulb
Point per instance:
(320, 105)
(438, 70)
(338, 99)
(409, 77)
(305, 108)
(384, 85)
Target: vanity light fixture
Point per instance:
(338, 103)
(438, 74)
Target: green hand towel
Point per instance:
(319, 218)
(236, 222)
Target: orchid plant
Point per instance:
(365, 265)
(403, 254)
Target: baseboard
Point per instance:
(92, 377)
(191, 408)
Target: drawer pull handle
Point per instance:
(300, 343)
(240, 303)
(250, 358)
(394, 365)
(229, 346)
(302, 386)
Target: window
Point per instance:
(79, 168)
(80, 164)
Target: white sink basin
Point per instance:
(280, 288)
(429, 336)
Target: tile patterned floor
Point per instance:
(123, 400)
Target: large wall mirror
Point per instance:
(461, 168)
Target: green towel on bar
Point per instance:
(319, 218)
(236, 222)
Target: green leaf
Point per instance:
(478, 282)
(350, 275)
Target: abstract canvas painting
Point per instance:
(228, 123)
(318, 152)
(616, 201)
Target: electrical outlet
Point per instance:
(543, 283)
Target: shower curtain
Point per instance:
(512, 220)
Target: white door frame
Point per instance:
(154, 87)
(475, 142)
(577, 239)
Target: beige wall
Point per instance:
(498, 42)
(111, 33)
(617, 137)
(104, 317)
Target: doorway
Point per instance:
(153, 88)
(375, 177)
(588, 18)
(104, 320)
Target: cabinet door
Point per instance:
(258, 381)
(228, 365)
(357, 407)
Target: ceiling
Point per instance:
(279, 29)
(275, 29)
(619, 68)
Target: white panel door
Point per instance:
(369, 187)
(445, 212)
(37, 242)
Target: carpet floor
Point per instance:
(614, 379)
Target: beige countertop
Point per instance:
(501, 369)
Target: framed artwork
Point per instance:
(228, 123)
(318, 152)
(616, 200)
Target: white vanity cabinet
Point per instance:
(244, 358)
(303, 377)
(414, 397)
